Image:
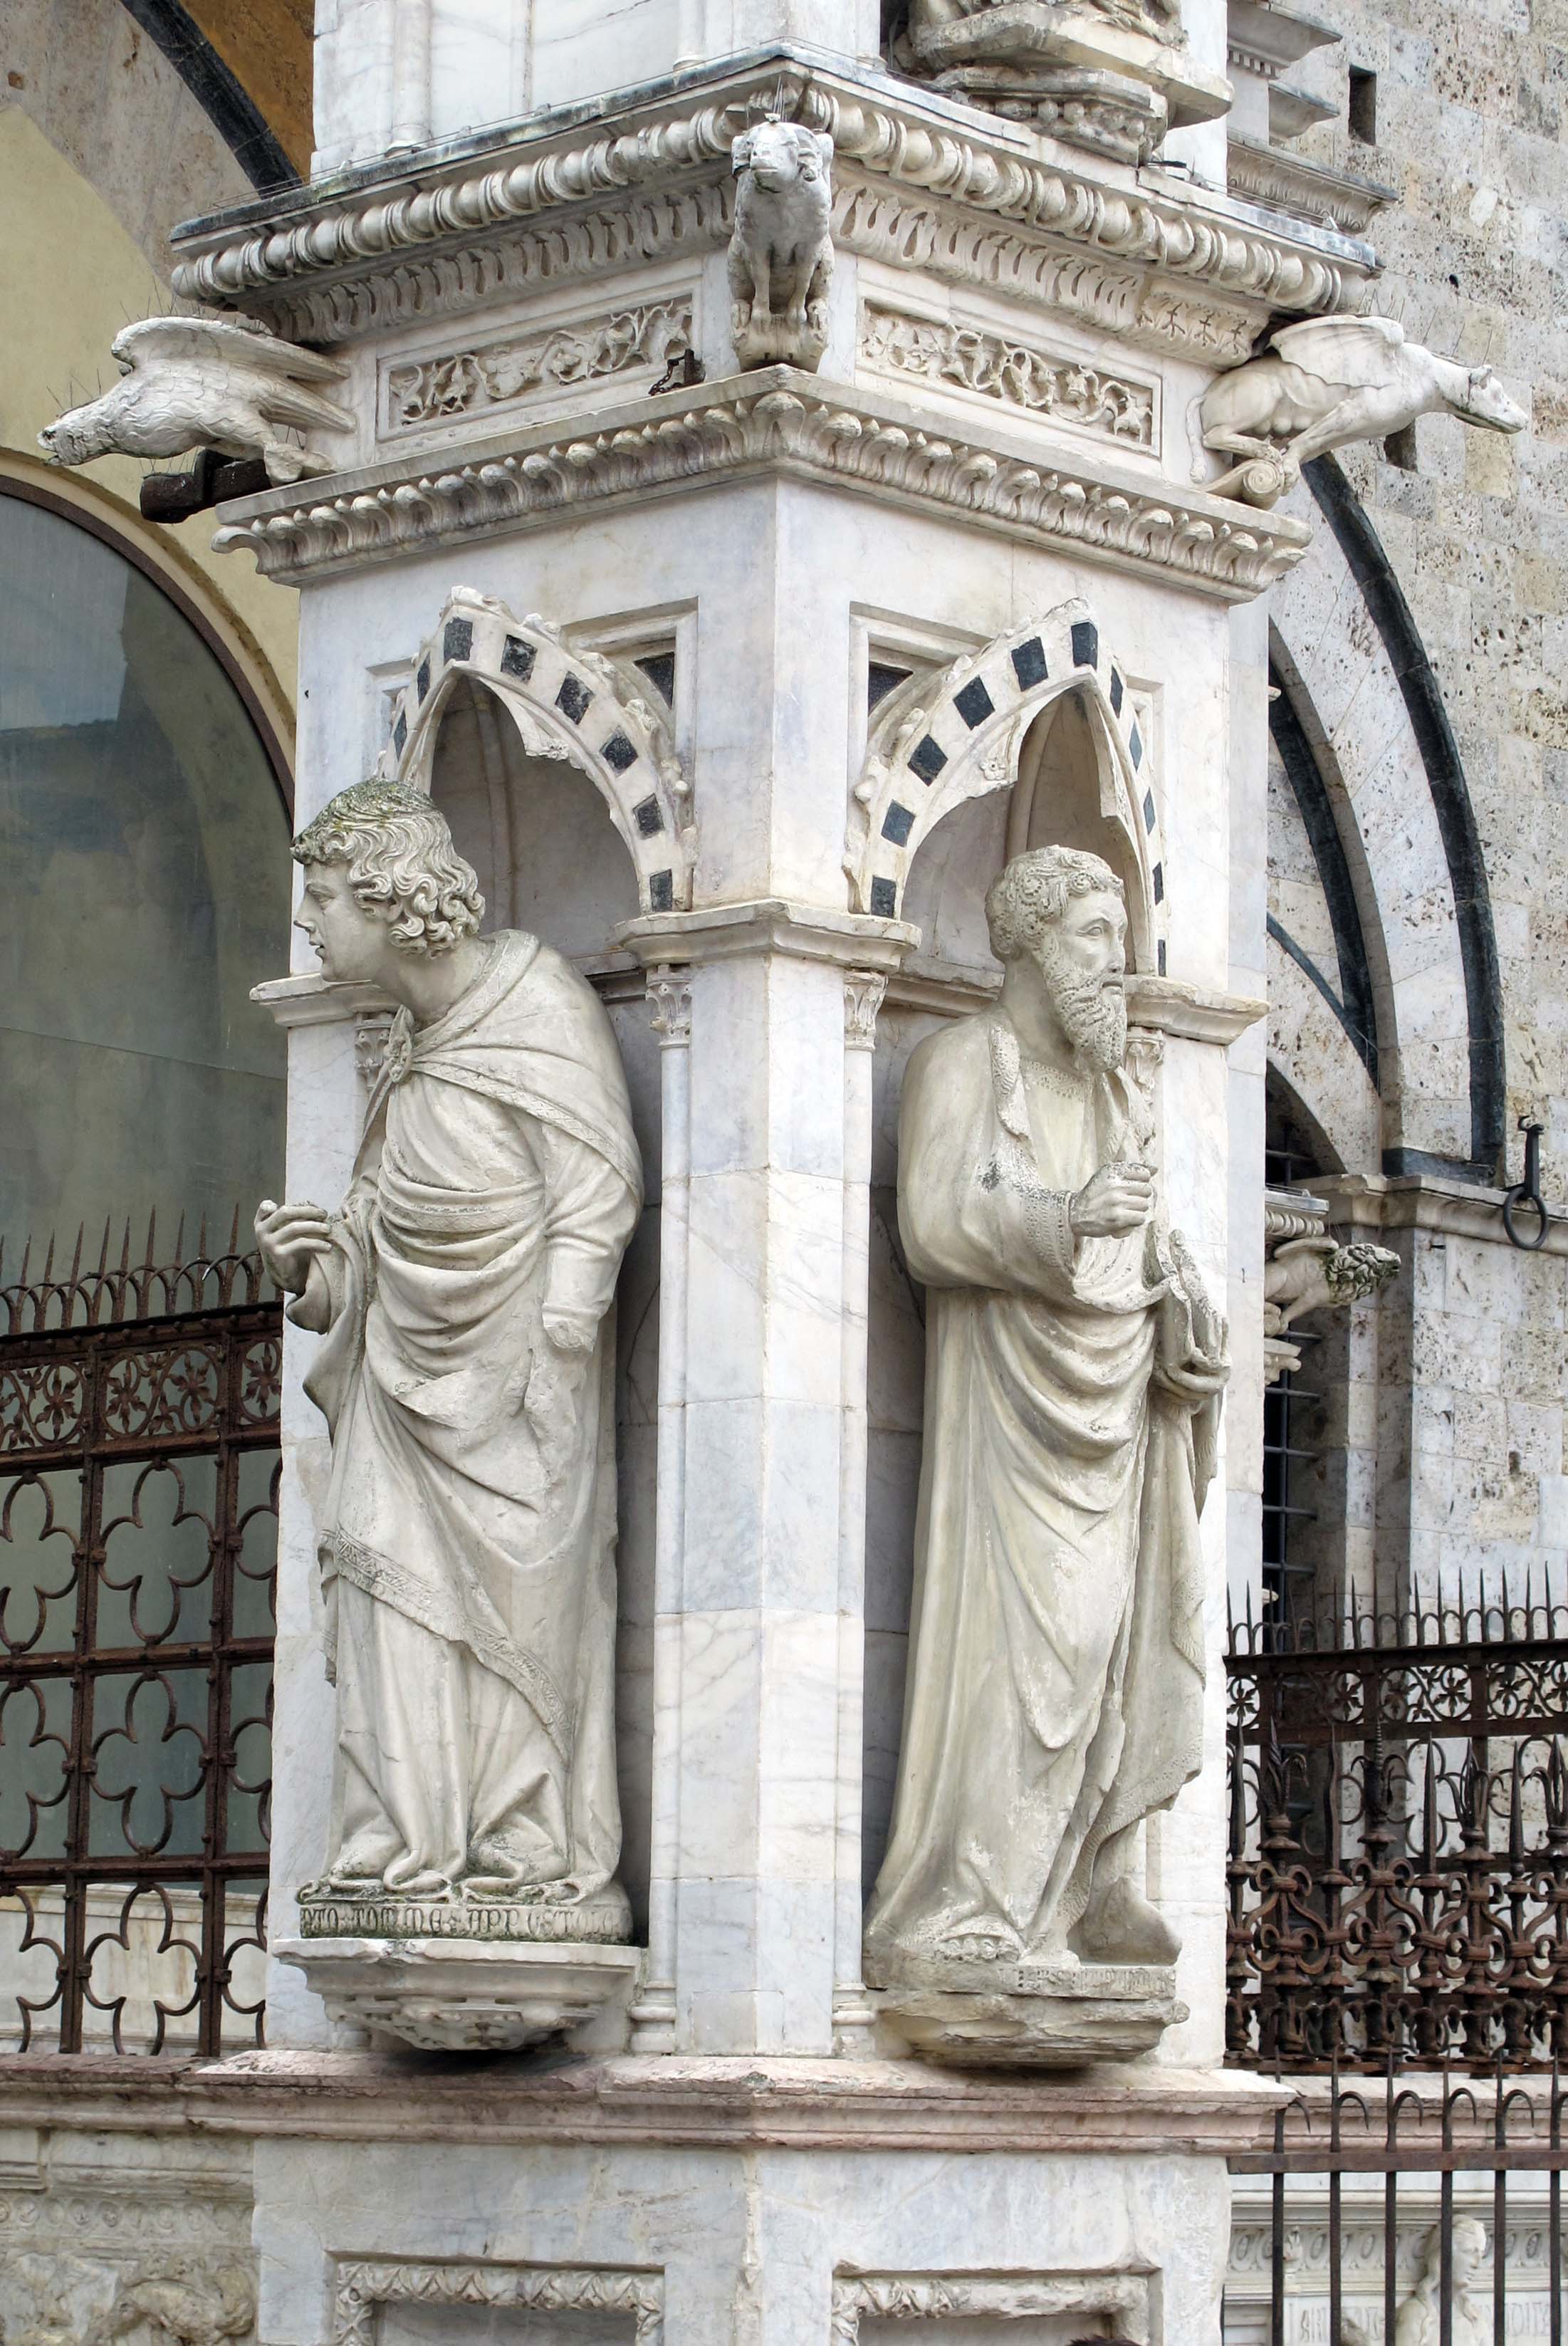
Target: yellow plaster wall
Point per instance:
(70, 278)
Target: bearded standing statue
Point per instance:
(463, 1292)
(1074, 1368)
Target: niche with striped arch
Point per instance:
(1044, 711)
(565, 702)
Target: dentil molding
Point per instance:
(776, 419)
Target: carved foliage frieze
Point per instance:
(1015, 374)
(524, 368)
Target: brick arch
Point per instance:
(956, 735)
(564, 702)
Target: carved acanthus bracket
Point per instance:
(1306, 1270)
(670, 1006)
(1112, 75)
(864, 991)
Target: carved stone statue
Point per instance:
(1419, 2322)
(1073, 1389)
(1328, 381)
(205, 383)
(463, 1288)
(781, 250)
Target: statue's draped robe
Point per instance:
(1056, 1667)
(467, 1549)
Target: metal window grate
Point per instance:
(138, 1474)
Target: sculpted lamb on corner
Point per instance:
(781, 250)
(201, 383)
(1331, 381)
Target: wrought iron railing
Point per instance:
(1398, 1866)
(1402, 2215)
(138, 1469)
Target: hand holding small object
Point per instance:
(289, 1237)
(1117, 1198)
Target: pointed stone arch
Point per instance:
(947, 737)
(565, 702)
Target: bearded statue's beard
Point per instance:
(1094, 1015)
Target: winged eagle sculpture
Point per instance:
(205, 383)
(1328, 382)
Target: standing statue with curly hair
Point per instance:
(463, 1292)
(1074, 1371)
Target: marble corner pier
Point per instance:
(741, 687)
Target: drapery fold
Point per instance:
(466, 1375)
(1054, 1694)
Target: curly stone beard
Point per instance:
(1092, 1011)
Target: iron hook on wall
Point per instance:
(1527, 1192)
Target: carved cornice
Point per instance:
(1288, 183)
(882, 223)
(333, 267)
(688, 2100)
(668, 942)
(778, 419)
(422, 284)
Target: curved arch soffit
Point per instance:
(959, 733)
(565, 703)
(149, 550)
(1379, 706)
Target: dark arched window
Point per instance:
(145, 842)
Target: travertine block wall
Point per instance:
(1469, 119)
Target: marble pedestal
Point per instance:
(674, 2202)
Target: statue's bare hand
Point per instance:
(1118, 1198)
(289, 1238)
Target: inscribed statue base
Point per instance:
(462, 1995)
(994, 2016)
(604, 1921)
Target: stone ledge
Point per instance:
(681, 2101)
(1425, 1201)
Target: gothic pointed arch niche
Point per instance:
(1043, 712)
(518, 693)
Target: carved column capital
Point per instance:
(670, 1006)
(864, 991)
